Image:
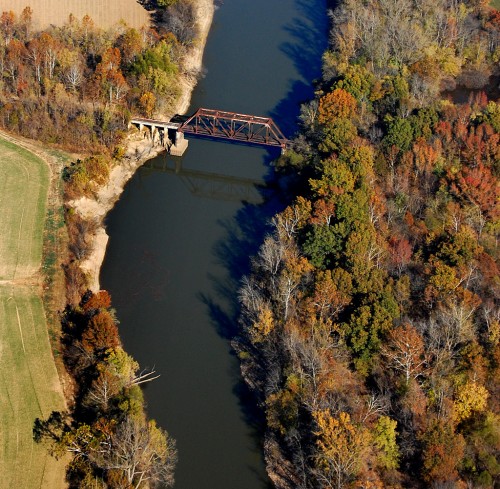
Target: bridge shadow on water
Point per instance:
(243, 235)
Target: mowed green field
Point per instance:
(29, 384)
(24, 180)
(29, 388)
(495, 4)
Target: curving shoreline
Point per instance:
(138, 151)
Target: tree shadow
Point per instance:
(308, 34)
(151, 6)
(244, 233)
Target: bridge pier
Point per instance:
(180, 144)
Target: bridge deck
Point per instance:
(221, 124)
(155, 122)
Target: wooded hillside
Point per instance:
(76, 85)
(372, 314)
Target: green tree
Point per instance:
(400, 133)
(384, 438)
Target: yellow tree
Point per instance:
(147, 103)
(341, 446)
(470, 398)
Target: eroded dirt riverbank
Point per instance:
(138, 151)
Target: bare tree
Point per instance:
(73, 75)
(144, 453)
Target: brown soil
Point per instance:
(104, 13)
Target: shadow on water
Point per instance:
(308, 35)
(245, 232)
(243, 235)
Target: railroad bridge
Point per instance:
(217, 124)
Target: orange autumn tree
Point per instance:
(336, 104)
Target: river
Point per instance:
(184, 229)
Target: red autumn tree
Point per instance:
(101, 333)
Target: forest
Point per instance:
(76, 85)
(371, 317)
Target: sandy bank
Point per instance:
(138, 151)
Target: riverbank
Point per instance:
(138, 151)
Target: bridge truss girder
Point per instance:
(236, 127)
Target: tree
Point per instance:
(147, 103)
(130, 45)
(296, 271)
(294, 217)
(341, 446)
(50, 50)
(72, 66)
(442, 453)
(384, 437)
(399, 134)
(16, 52)
(471, 398)
(405, 352)
(96, 301)
(26, 20)
(35, 55)
(332, 292)
(7, 26)
(400, 252)
(143, 453)
(102, 390)
(101, 333)
(338, 104)
(478, 186)
(109, 76)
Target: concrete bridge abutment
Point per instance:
(166, 134)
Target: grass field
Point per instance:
(29, 384)
(29, 388)
(24, 180)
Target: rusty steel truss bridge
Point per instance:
(218, 124)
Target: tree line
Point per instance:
(111, 442)
(371, 317)
(76, 85)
